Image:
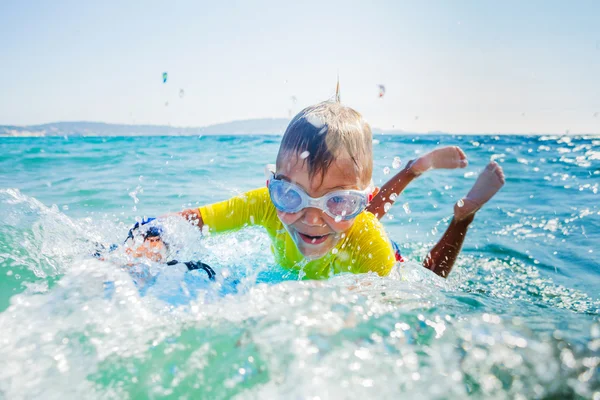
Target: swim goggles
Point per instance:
(340, 204)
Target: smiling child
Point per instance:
(314, 205)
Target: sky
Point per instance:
(460, 66)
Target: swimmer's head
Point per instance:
(153, 235)
(324, 133)
(326, 147)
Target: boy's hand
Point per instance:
(193, 216)
(450, 157)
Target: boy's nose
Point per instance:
(313, 216)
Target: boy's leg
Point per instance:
(445, 158)
(443, 255)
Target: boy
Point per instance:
(313, 205)
(153, 248)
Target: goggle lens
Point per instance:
(343, 205)
(285, 196)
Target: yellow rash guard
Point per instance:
(365, 247)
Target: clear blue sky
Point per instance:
(457, 66)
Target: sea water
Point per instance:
(517, 318)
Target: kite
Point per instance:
(165, 76)
(181, 93)
(381, 91)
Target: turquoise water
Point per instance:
(518, 317)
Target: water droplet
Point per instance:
(460, 203)
(387, 207)
(338, 218)
(406, 208)
(315, 120)
(397, 163)
(386, 170)
(393, 196)
(304, 154)
(334, 251)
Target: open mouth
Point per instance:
(310, 239)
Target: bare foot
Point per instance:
(486, 186)
(446, 158)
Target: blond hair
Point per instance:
(325, 132)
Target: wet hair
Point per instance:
(322, 133)
(153, 231)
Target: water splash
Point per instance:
(511, 321)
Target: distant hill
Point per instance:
(264, 126)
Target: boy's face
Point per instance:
(314, 232)
(154, 242)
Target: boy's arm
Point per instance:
(390, 191)
(449, 157)
(250, 208)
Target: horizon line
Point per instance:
(375, 130)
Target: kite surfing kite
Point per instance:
(165, 76)
(381, 91)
